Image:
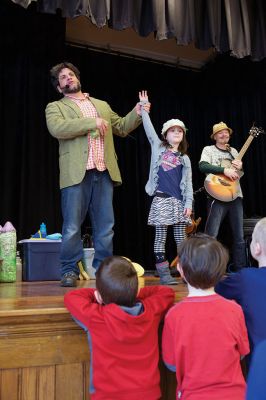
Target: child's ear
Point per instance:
(257, 249)
(98, 297)
(179, 269)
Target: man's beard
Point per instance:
(73, 89)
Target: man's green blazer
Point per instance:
(66, 122)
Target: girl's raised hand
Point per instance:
(143, 96)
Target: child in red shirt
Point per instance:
(122, 326)
(204, 335)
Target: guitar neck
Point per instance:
(245, 147)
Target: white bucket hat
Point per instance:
(171, 123)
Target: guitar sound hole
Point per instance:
(224, 182)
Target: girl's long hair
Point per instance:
(183, 145)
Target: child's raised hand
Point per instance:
(143, 96)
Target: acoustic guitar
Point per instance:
(219, 186)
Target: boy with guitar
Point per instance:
(223, 168)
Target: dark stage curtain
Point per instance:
(238, 25)
(229, 90)
(30, 43)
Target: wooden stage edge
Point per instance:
(44, 354)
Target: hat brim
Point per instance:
(138, 268)
(163, 133)
(228, 129)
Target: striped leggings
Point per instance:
(160, 239)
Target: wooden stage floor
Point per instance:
(43, 352)
(24, 297)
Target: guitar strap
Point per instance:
(228, 150)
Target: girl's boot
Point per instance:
(164, 274)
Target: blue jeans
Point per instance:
(94, 195)
(217, 212)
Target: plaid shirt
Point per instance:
(95, 145)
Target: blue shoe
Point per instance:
(54, 236)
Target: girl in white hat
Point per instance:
(170, 182)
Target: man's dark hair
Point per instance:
(55, 71)
(117, 281)
(203, 260)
